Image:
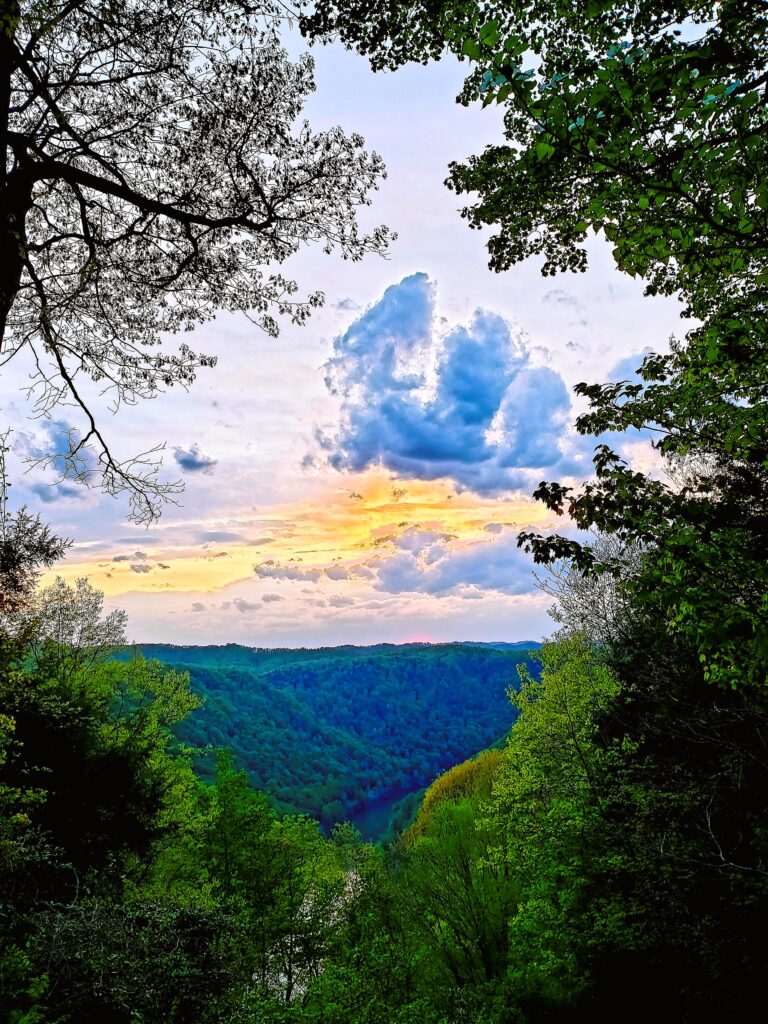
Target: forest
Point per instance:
(614, 843)
(609, 859)
(332, 731)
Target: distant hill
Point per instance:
(344, 733)
(502, 645)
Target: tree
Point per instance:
(597, 608)
(153, 168)
(71, 632)
(91, 780)
(93, 737)
(645, 122)
(630, 800)
(548, 809)
(27, 547)
(459, 901)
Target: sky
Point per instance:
(362, 479)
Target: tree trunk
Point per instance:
(15, 185)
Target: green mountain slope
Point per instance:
(337, 732)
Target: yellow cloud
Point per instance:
(344, 523)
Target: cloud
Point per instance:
(50, 442)
(376, 349)
(192, 460)
(198, 606)
(469, 406)
(218, 536)
(146, 539)
(440, 566)
(53, 492)
(137, 556)
(498, 527)
(627, 368)
(141, 567)
(415, 539)
(274, 571)
(244, 606)
(416, 560)
(336, 572)
(271, 598)
(560, 297)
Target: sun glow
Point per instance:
(358, 518)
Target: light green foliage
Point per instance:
(71, 630)
(547, 805)
(283, 886)
(470, 780)
(551, 751)
(458, 901)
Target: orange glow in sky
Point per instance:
(345, 524)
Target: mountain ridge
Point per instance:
(333, 732)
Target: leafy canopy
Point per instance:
(154, 165)
(645, 122)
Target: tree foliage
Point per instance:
(343, 733)
(646, 123)
(27, 547)
(155, 170)
(612, 854)
(612, 860)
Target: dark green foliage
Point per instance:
(632, 799)
(27, 547)
(152, 961)
(90, 780)
(335, 731)
(687, 800)
(100, 806)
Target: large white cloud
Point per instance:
(443, 567)
(469, 406)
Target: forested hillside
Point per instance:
(609, 861)
(333, 731)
